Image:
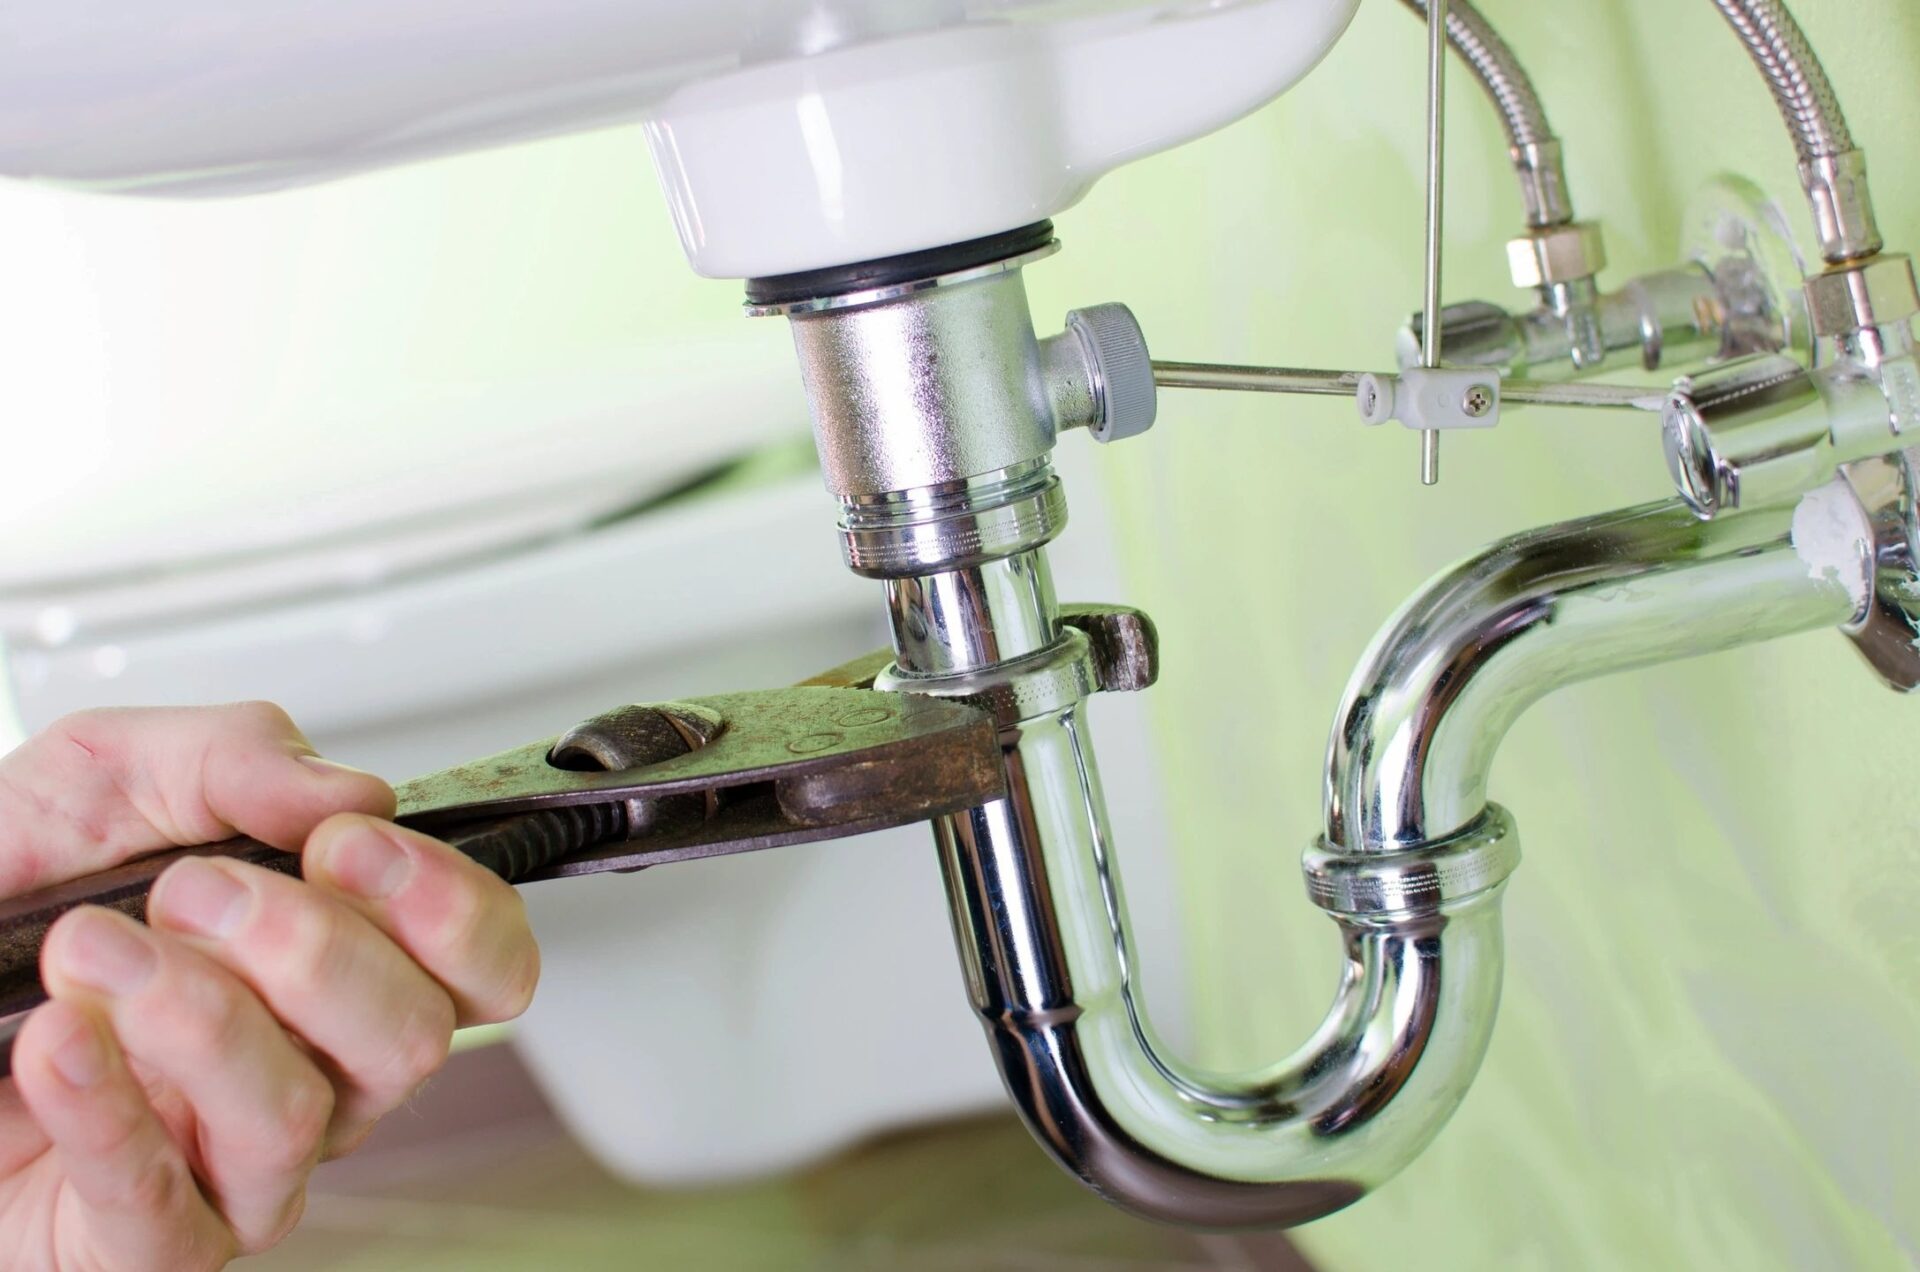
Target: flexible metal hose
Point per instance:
(1794, 75)
(1832, 170)
(1779, 48)
(1498, 71)
(1530, 139)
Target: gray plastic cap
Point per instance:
(1373, 395)
(1122, 370)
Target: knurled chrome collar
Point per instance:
(910, 533)
(1420, 879)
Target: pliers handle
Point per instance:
(635, 787)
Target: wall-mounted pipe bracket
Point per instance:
(1888, 635)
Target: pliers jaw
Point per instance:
(763, 768)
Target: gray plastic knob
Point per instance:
(1123, 388)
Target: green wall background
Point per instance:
(1709, 1051)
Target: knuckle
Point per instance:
(469, 911)
(126, 1142)
(522, 980)
(346, 1142)
(285, 1222)
(291, 1143)
(189, 1248)
(82, 722)
(157, 1188)
(208, 1253)
(420, 1047)
(211, 1015)
(258, 716)
(424, 1046)
(510, 992)
(315, 946)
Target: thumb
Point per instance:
(99, 787)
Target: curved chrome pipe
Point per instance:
(1451, 672)
(1042, 933)
(1411, 863)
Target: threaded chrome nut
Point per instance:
(1417, 879)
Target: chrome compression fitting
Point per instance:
(1736, 294)
(1754, 426)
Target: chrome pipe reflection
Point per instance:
(1411, 867)
(946, 494)
(1450, 673)
(1041, 926)
(993, 612)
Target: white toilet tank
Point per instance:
(789, 134)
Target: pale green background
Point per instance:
(1709, 1051)
(1709, 1055)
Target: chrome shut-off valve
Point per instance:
(1727, 298)
(1768, 430)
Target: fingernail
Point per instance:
(202, 898)
(366, 862)
(80, 1060)
(101, 952)
(329, 768)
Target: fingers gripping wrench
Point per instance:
(635, 787)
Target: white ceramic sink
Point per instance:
(789, 134)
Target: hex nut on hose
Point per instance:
(1560, 254)
(1872, 293)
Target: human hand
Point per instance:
(171, 1098)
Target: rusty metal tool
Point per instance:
(636, 787)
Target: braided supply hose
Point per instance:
(1498, 71)
(1530, 138)
(1833, 171)
(1794, 75)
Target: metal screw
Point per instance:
(1477, 401)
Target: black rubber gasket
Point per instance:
(838, 280)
